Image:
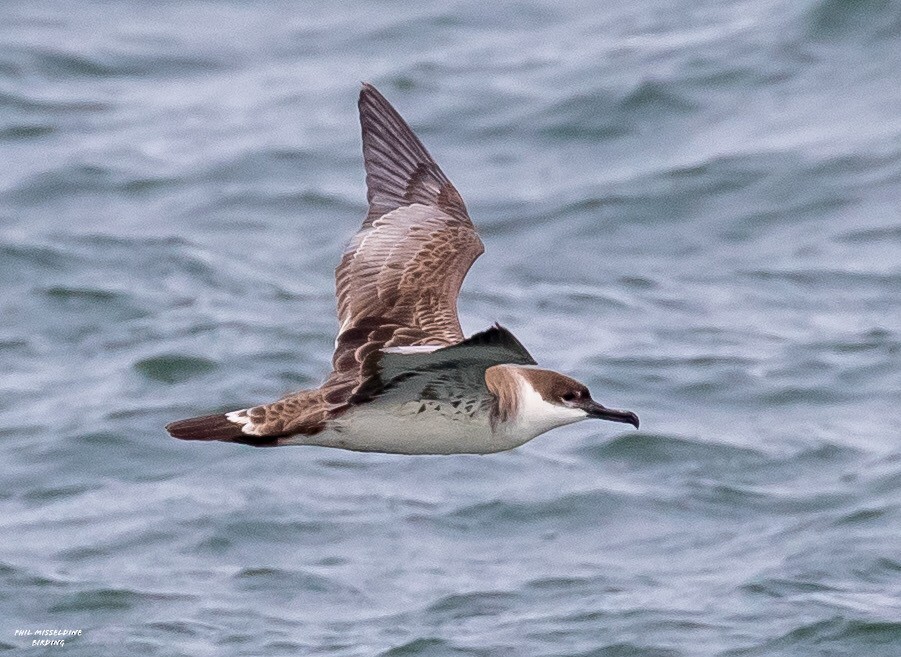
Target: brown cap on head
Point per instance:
(556, 388)
(552, 386)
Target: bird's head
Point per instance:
(540, 400)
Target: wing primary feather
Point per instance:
(399, 169)
(498, 336)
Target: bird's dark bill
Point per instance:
(600, 412)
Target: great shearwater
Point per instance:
(404, 379)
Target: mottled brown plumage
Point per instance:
(405, 266)
(397, 283)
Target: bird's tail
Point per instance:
(227, 427)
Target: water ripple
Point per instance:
(692, 208)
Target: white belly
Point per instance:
(407, 430)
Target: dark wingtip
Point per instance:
(498, 335)
(372, 96)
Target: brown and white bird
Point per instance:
(404, 379)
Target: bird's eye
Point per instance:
(569, 396)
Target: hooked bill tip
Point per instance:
(614, 415)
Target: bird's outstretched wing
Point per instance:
(403, 373)
(399, 277)
(397, 286)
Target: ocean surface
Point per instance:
(692, 206)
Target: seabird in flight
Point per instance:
(404, 379)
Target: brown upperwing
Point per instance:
(399, 278)
(397, 283)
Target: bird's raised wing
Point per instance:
(404, 373)
(398, 280)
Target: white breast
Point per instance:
(404, 430)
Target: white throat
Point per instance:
(535, 415)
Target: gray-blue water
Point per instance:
(691, 206)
